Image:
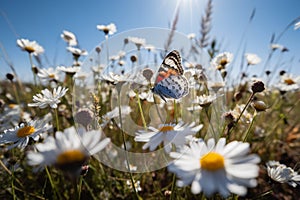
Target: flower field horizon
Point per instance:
(151, 113)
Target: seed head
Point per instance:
(258, 86)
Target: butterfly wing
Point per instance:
(169, 82)
(171, 65)
(172, 87)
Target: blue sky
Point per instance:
(44, 21)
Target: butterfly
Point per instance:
(170, 82)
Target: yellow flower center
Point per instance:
(289, 81)
(25, 131)
(212, 161)
(51, 75)
(223, 62)
(166, 129)
(70, 156)
(11, 105)
(29, 49)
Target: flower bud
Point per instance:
(259, 106)
(258, 86)
(10, 76)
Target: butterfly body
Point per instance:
(170, 82)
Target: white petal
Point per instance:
(237, 189)
(100, 146)
(220, 145)
(245, 171)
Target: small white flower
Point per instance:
(49, 74)
(81, 75)
(222, 60)
(168, 134)
(125, 110)
(46, 98)
(115, 78)
(137, 185)
(137, 41)
(149, 47)
(11, 115)
(77, 52)
(252, 59)
(147, 95)
(191, 36)
(97, 69)
(297, 25)
(107, 29)
(30, 46)
(20, 135)
(69, 70)
(69, 37)
(216, 168)
(245, 118)
(282, 174)
(288, 82)
(275, 46)
(68, 151)
(205, 100)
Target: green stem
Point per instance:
(173, 187)
(238, 119)
(16, 93)
(141, 111)
(248, 102)
(12, 184)
(157, 110)
(90, 190)
(32, 69)
(209, 121)
(79, 188)
(175, 111)
(125, 148)
(52, 183)
(56, 118)
(249, 128)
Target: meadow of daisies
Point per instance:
(95, 130)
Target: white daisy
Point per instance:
(11, 115)
(137, 185)
(125, 110)
(216, 168)
(137, 41)
(115, 78)
(222, 60)
(30, 46)
(143, 95)
(282, 174)
(69, 70)
(20, 135)
(275, 46)
(168, 134)
(68, 151)
(98, 69)
(149, 47)
(47, 98)
(205, 100)
(191, 36)
(109, 29)
(288, 82)
(236, 112)
(77, 52)
(297, 25)
(252, 59)
(69, 37)
(49, 74)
